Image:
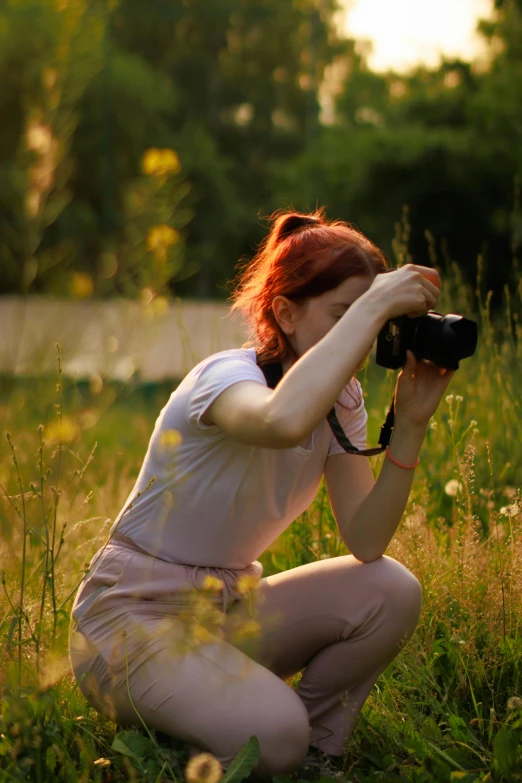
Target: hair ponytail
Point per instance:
(291, 223)
(303, 256)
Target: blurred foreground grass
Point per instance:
(449, 708)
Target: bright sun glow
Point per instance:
(406, 32)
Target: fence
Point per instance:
(115, 338)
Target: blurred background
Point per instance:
(142, 144)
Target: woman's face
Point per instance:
(313, 319)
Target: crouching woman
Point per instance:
(249, 461)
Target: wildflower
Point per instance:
(509, 511)
(81, 285)
(61, 430)
(96, 384)
(146, 296)
(203, 635)
(245, 582)
(204, 768)
(159, 305)
(170, 439)
(514, 703)
(160, 238)
(452, 487)
(250, 628)
(160, 162)
(39, 137)
(212, 583)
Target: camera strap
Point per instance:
(273, 374)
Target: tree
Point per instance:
(445, 143)
(247, 76)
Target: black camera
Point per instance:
(442, 339)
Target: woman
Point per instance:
(230, 465)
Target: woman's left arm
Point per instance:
(368, 513)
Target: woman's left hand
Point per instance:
(420, 387)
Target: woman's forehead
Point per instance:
(348, 290)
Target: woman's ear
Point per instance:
(285, 312)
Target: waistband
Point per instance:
(236, 582)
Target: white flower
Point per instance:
(452, 487)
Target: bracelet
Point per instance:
(400, 464)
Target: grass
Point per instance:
(449, 708)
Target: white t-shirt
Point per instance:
(215, 501)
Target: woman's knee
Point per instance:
(400, 590)
(284, 739)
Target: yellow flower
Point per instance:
(170, 439)
(203, 635)
(96, 384)
(204, 768)
(250, 628)
(245, 582)
(81, 285)
(212, 583)
(101, 762)
(61, 431)
(159, 305)
(160, 162)
(160, 238)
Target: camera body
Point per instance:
(442, 339)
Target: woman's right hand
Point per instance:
(411, 290)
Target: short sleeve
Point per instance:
(215, 375)
(352, 416)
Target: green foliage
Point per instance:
(244, 762)
(229, 86)
(47, 60)
(448, 708)
(238, 90)
(445, 143)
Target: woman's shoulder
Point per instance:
(227, 361)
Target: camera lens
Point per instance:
(444, 339)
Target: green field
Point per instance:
(448, 708)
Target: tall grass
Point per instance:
(448, 708)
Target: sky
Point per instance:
(406, 32)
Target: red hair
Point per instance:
(303, 256)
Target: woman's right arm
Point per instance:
(282, 418)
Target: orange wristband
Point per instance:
(400, 464)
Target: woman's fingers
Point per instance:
(430, 274)
(411, 290)
(428, 294)
(425, 283)
(431, 289)
(410, 364)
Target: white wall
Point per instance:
(114, 338)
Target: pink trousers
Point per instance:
(205, 660)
